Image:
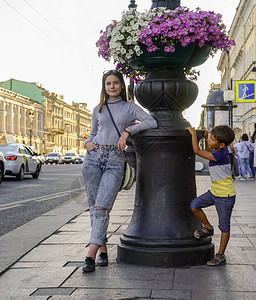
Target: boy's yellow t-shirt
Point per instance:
(221, 175)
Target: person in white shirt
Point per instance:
(243, 150)
(237, 168)
(252, 157)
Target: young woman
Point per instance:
(103, 166)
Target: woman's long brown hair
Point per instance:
(104, 95)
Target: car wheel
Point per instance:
(20, 176)
(1, 173)
(37, 172)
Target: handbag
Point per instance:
(129, 172)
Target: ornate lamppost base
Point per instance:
(165, 257)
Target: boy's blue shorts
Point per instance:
(224, 207)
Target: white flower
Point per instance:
(135, 39)
(120, 37)
(136, 48)
(128, 41)
(128, 55)
(135, 26)
(138, 53)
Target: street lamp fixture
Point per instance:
(166, 3)
(132, 4)
(30, 117)
(68, 130)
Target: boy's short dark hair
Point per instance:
(223, 134)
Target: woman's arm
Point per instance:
(146, 120)
(88, 144)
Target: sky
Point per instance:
(52, 43)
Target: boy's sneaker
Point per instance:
(102, 260)
(89, 265)
(243, 178)
(250, 178)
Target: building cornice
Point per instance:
(239, 13)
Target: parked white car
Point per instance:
(20, 161)
(2, 167)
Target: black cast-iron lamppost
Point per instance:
(30, 118)
(68, 130)
(161, 229)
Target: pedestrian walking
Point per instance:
(222, 192)
(244, 149)
(103, 167)
(231, 153)
(251, 157)
(237, 168)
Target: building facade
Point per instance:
(240, 63)
(22, 118)
(42, 119)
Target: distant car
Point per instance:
(81, 158)
(20, 161)
(54, 157)
(71, 158)
(2, 167)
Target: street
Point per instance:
(23, 201)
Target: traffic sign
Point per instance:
(245, 91)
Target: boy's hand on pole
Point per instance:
(191, 130)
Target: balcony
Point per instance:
(56, 129)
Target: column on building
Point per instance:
(2, 116)
(23, 121)
(18, 120)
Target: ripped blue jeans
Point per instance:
(103, 170)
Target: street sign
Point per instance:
(245, 91)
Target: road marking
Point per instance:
(13, 206)
(27, 186)
(42, 198)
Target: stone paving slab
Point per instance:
(55, 253)
(122, 276)
(115, 293)
(68, 238)
(235, 278)
(222, 295)
(22, 282)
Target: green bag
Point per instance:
(129, 177)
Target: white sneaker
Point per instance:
(243, 178)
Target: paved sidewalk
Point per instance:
(52, 269)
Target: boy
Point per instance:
(222, 192)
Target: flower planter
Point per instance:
(189, 56)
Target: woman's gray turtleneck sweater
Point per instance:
(124, 114)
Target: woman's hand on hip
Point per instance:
(90, 145)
